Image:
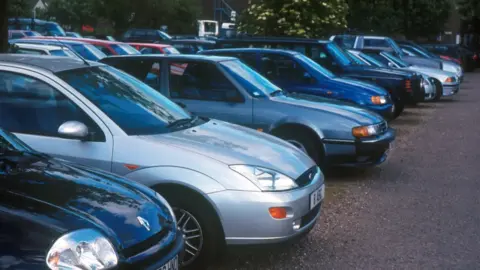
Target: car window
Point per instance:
(30, 51)
(152, 77)
(372, 60)
(104, 49)
(185, 48)
(146, 50)
(30, 106)
(134, 106)
(279, 67)
(123, 49)
(201, 81)
(375, 43)
(59, 53)
(378, 57)
(139, 33)
(17, 35)
(151, 34)
(169, 50)
(345, 41)
(88, 51)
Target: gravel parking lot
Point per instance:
(419, 210)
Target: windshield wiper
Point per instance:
(276, 92)
(182, 122)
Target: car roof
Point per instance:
(85, 40)
(45, 62)
(40, 46)
(48, 40)
(191, 40)
(275, 39)
(197, 57)
(149, 45)
(255, 50)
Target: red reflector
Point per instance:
(131, 167)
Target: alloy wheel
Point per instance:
(192, 233)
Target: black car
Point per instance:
(465, 56)
(59, 215)
(145, 36)
(191, 46)
(404, 86)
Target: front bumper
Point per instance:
(359, 153)
(386, 110)
(450, 89)
(246, 219)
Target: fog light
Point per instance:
(296, 224)
(278, 212)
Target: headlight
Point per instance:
(450, 80)
(165, 203)
(83, 249)
(366, 131)
(266, 179)
(378, 100)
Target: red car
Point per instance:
(153, 48)
(106, 46)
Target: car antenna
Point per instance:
(72, 50)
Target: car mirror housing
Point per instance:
(73, 130)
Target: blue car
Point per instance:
(87, 51)
(295, 72)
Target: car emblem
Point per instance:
(144, 223)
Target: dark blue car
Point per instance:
(294, 72)
(58, 215)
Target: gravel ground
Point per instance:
(419, 210)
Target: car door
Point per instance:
(206, 90)
(34, 106)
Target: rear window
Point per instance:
(123, 49)
(170, 50)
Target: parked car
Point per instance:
(73, 34)
(414, 49)
(145, 36)
(15, 34)
(103, 37)
(381, 42)
(466, 57)
(221, 179)
(41, 49)
(404, 87)
(59, 215)
(295, 72)
(224, 88)
(45, 28)
(154, 48)
(191, 46)
(447, 82)
(86, 50)
(428, 84)
(107, 47)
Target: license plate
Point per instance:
(170, 265)
(317, 196)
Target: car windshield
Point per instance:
(170, 50)
(357, 59)
(396, 60)
(424, 51)
(32, 34)
(340, 55)
(60, 52)
(372, 60)
(123, 49)
(165, 36)
(254, 83)
(314, 65)
(88, 51)
(9, 141)
(135, 107)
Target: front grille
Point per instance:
(307, 177)
(306, 219)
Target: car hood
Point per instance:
(232, 144)
(381, 72)
(424, 62)
(335, 108)
(109, 203)
(368, 88)
(432, 72)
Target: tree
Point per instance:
(468, 9)
(19, 8)
(71, 13)
(304, 18)
(4, 26)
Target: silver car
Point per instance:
(446, 82)
(221, 179)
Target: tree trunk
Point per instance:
(3, 26)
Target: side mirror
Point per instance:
(73, 130)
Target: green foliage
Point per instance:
(409, 17)
(304, 18)
(468, 9)
(19, 8)
(73, 13)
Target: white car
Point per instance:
(42, 49)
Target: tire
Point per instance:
(305, 140)
(211, 242)
(399, 107)
(438, 90)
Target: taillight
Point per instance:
(475, 57)
(408, 85)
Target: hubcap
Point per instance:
(299, 145)
(192, 233)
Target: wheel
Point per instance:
(203, 236)
(305, 140)
(399, 107)
(438, 90)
